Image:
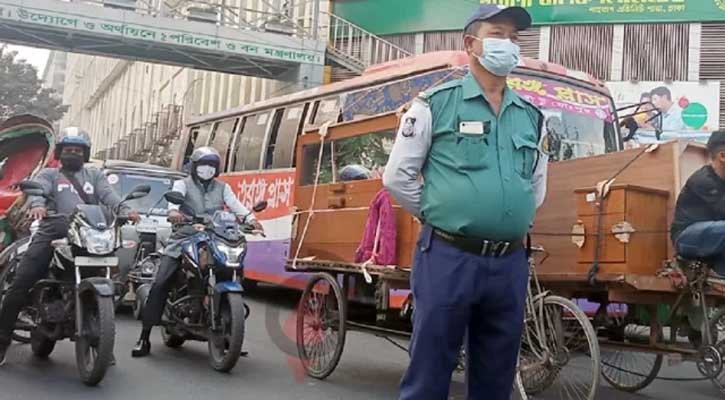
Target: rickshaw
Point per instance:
(605, 226)
(559, 350)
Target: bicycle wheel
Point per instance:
(321, 325)
(717, 325)
(630, 370)
(560, 351)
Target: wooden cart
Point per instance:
(605, 223)
(343, 294)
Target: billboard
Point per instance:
(384, 17)
(689, 109)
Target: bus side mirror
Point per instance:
(631, 126)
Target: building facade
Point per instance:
(614, 40)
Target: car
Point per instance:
(138, 257)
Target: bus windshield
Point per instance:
(579, 122)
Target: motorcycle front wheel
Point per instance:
(225, 344)
(94, 346)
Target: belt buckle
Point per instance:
(485, 247)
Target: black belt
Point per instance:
(486, 248)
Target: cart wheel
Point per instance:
(717, 324)
(630, 370)
(560, 351)
(321, 325)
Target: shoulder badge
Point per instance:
(408, 127)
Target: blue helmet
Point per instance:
(74, 136)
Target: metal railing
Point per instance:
(355, 48)
(292, 21)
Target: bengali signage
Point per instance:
(276, 187)
(89, 24)
(551, 94)
(388, 17)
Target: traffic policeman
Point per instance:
(475, 144)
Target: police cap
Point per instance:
(519, 15)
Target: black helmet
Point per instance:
(74, 136)
(354, 172)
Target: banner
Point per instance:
(689, 109)
(403, 16)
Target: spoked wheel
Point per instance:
(94, 345)
(225, 345)
(24, 319)
(321, 325)
(560, 351)
(627, 369)
(717, 326)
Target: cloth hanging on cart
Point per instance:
(379, 239)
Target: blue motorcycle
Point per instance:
(205, 302)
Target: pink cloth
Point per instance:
(381, 213)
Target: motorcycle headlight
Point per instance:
(234, 254)
(148, 268)
(98, 242)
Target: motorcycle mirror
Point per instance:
(138, 192)
(174, 197)
(32, 188)
(259, 207)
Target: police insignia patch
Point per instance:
(409, 127)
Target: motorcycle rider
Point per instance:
(70, 185)
(204, 195)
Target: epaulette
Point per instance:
(440, 88)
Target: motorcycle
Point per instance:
(75, 301)
(141, 259)
(205, 302)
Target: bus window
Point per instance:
(221, 136)
(202, 138)
(250, 142)
(327, 109)
(370, 151)
(285, 128)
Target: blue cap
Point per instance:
(519, 15)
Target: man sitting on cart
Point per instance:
(698, 229)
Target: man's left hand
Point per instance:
(257, 226)
(134, 216)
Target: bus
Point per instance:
(257, 141)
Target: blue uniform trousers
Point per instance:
(457, 293)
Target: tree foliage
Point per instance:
(21, 91)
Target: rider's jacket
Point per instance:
(64, 197)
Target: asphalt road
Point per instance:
(370, 368)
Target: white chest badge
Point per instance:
(88, 188)
(408, 127)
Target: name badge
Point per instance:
(471, 127)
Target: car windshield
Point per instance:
(579, 122)
(123, 183)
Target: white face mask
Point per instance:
(205, 172)
(500, 56)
